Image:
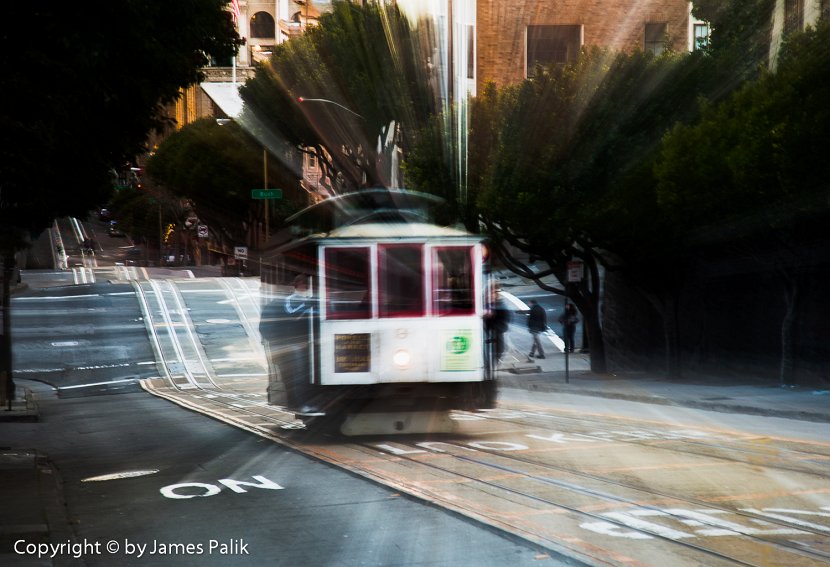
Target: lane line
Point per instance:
(91, 384)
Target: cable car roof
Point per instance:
(349, 216)
(382, 230)
(368, 203)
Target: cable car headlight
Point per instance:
(401, 358)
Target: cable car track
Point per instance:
(614, 498)
(183, 369)
(274, 427)
(572, 488)
(658, 443)
(568, 508)
(483, 468)
(606, 496)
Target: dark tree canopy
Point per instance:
(561, 166)
(84, 85)
(758, 160)
(372, 65)
(215, 167)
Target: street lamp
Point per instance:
(301, 100)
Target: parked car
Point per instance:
(115, 230)
(134, 257)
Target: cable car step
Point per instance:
(397, 423)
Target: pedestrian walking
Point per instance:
(497, 322)
(536, 324)
(569, 320)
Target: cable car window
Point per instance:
(347, 283)
(452, 285)
(401, 281)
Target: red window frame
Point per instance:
(337, 273)
(385, 295)
(461, 301)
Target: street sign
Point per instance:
(266, 193)
(574, 268)
(202, 231)
(240, 252)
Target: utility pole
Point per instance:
(267, 203)
(7, 389)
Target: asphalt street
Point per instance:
(183, 479)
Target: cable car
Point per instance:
(373, 315)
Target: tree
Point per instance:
(547, 158)
(215, 167)
(369, 63)
(564, 167)
(740, 37)
(752, 173)
(84, 101)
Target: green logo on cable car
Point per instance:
(459, 353)
(458, 345)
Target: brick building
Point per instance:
(511, 37)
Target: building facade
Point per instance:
(512, 37)
(794, 15)
(263, 25)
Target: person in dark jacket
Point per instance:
(569, 319)
(497, 322)
(536, 324)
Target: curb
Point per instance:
(661, 400)
(23, 410)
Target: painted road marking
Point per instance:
(172, 490)
(119, 475)
(710, 522)
(90, 385)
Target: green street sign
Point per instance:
(266, 193)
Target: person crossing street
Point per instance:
(536, 324)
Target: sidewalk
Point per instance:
(33, 508)
(22, 408)
(730, 395)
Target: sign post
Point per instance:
(574, 275)
(266, 194)
(240, 253)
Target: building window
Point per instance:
(701, 37)
(552, 45)
(793, 16)
(262, 25)
(471, 52)
(224, 62)
(260, 53)
(656, 38)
